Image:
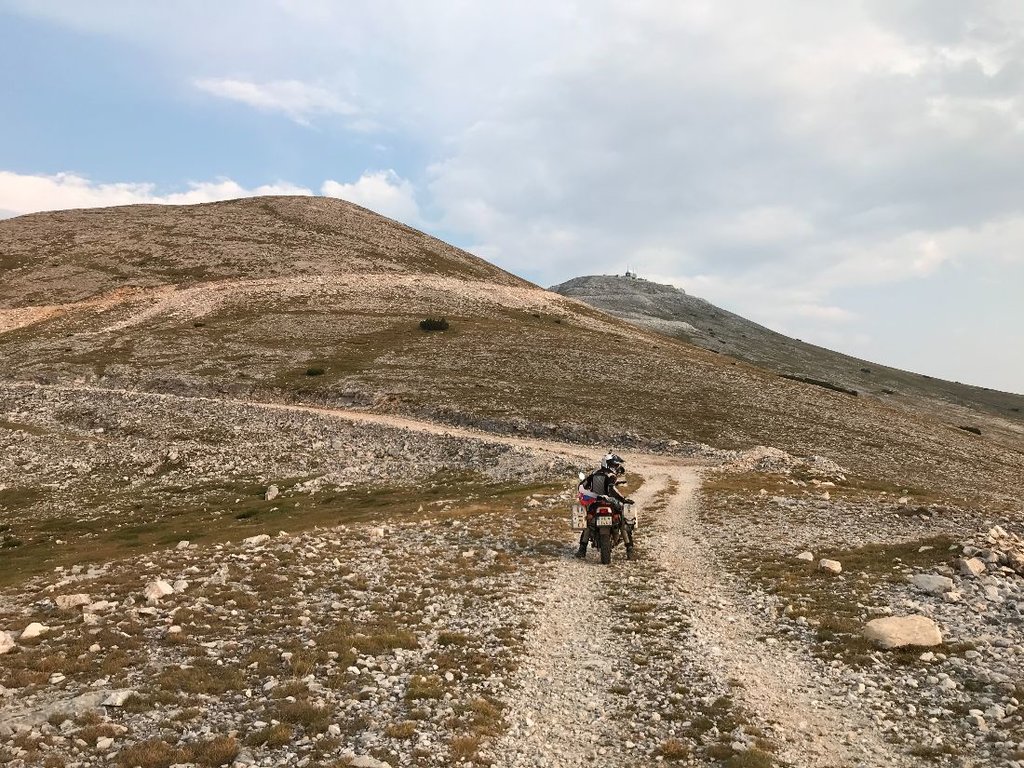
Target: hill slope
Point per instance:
(319, 301)
(669, 310)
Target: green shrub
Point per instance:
(434, 324)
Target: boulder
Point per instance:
(901, 631)
(117, 698)
(35, 629)
(806, 556)
(157, 589)
(932, 584)
(6, 642)
(70, 602)
(365, 761)
(972, 567)
(832, 566)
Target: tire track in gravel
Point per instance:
(560, 706)
(777, 686)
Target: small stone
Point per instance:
(255, 541)
(69, 602)
(157, 589)
(95, 648)
(365, 761)
(932, 584)
(978, 721)
(272, 493)
(7, 643)
(971, 567)
(183, 544)
(832, 566)
(35, 629)
(179, 585)
(117, 698)
(900, 631)
(806, 556)
(104, 743)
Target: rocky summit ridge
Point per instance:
(670, 310)
(253, 514)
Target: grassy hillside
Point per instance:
(317, 300)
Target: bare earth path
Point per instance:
(777, 686)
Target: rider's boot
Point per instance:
(581, 553)
(629, 552)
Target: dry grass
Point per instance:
(157, 753)
(462, 748)
(272, 736)
(674, 749)
(313, 718)
(203, 676)
(425, 687)
(404, 730)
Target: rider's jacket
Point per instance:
(602, 483)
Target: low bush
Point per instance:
(434, 324)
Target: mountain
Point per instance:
(319, 301)
(235, 471)
(670, 310)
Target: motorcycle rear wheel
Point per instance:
(606, 546)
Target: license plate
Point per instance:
(604, 520)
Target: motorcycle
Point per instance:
(607, 525)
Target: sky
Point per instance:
(847, 173)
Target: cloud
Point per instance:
(27, 193)
(382, 191)
(296, 99)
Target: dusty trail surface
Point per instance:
(780, 688)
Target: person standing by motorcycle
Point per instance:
(601, 483)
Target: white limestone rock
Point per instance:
(272, 492)
(70, 602)
(7, 643)
(807, 557)
(365, 761)
(117, 698)
(157, 589)
(931, 583)
(971, 567)
(832, 566)
(901, 631)
(35, 629)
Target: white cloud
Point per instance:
(382, 191)
(296, 99)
